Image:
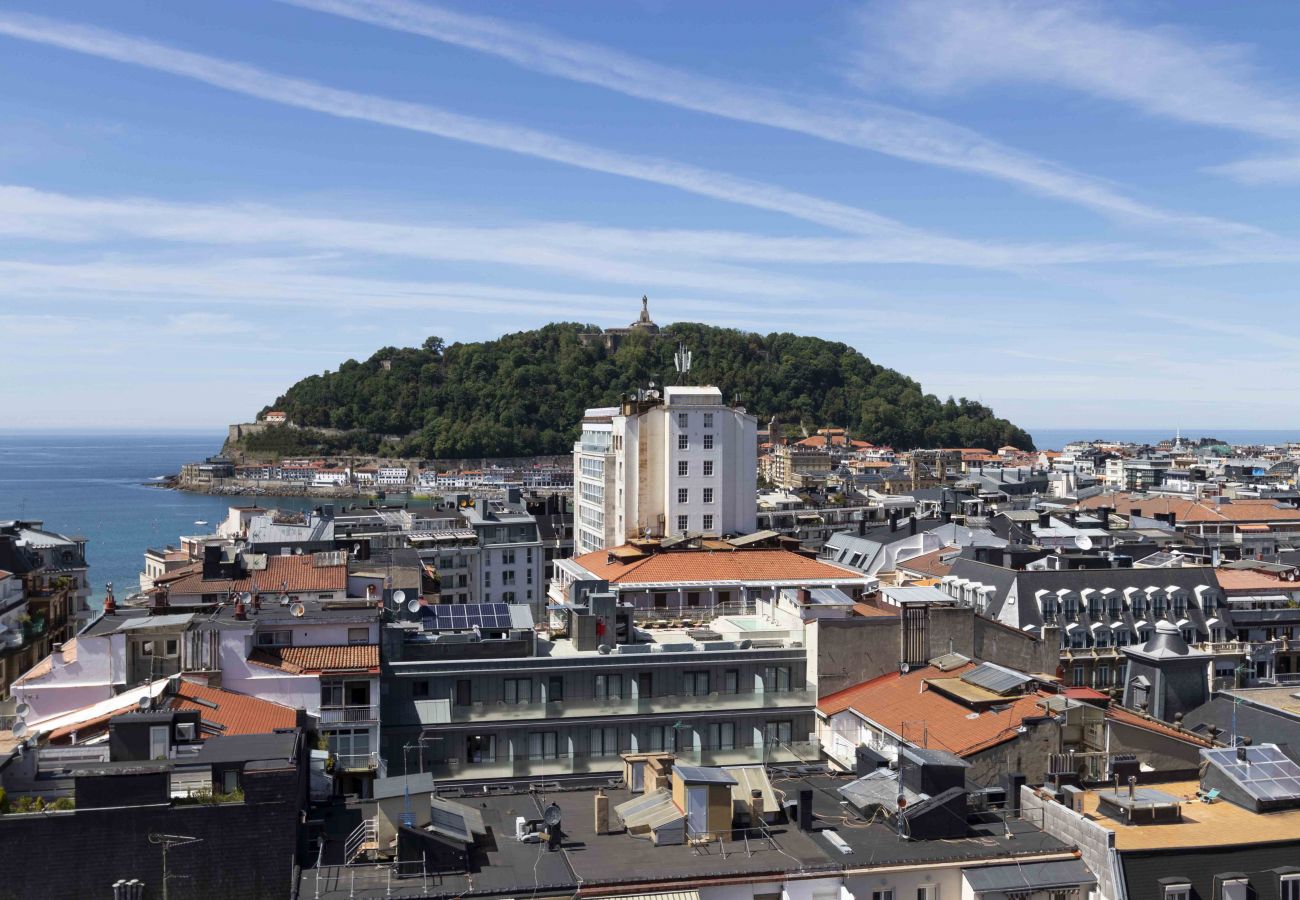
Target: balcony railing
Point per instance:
(356, 762)
(334, 715)
(771, 754)
(503, 711)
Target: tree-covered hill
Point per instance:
(525, 393)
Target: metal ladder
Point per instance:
(363, 839)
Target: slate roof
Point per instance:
(702, 566)
(306, 660)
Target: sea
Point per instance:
(103, 486)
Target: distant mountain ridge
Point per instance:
(525, 393)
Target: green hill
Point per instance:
(525, 393)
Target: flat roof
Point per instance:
(1204, 824)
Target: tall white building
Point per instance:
(680, 463)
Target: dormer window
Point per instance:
(1232, 887)
(1177, 889)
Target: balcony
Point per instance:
(772, 754)
(340, 715)
(356, 762)
(503, 712)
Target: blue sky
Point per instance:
(1078, 213)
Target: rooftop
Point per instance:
(712, 566)
(1203, 824)
(303, 660)
(282, 573)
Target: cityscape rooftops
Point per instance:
(732, 566)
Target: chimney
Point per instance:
(755, 808)
(241, 611)
(804, 595)
(1044, 520)
(110, 605)
(56, 655)
(911, 526)
(602, 812)
(893, 520)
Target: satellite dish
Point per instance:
(356, 548)
(145, 703)
(1083, 542)
(246, 597)
(20, 730)
(297, 610)
(552, 815)
(21, 710)
(399, 597)
(413, 606)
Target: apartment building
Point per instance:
(659, 465)
(510, 555)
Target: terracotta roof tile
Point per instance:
(238, 713)
(1196, 511)
(297, 573)
(701, 566)
(1252, 581)
(307, 660)
(1128, 717)
(894, 699)
(930, 563)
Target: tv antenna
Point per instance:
(169, 841)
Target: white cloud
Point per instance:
(203, 324)
(873, 126)
(305, 94)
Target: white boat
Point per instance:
(200, 522)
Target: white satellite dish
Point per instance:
(297, 610)
(145, 703)
(20, 730)
(246, 597)
(1083, 542)
(21, 710)
(399, 597)
(414, 606)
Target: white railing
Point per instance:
(363, 838)
(354, 762)
(332, 715)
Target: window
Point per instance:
(683, 442)
(692, 598)
(359, 635)
(508, 576)
(721, 736)
(146, 649)
(695, 684)
(173, 647)
(927, 892)
(683, 495)
(1234, 889)
(887, 894)
(609, 687)
(683, 523)
(708, 522)
(604, 741)
(487, 578)
(480, 748)
(508, 557)
(1102, 677)
(274, 638)
(656, 738)
(708, 420)
(1080, 677)
(708, 442)
(230, 781)
(708, 467)
(683, 468)
(661, 601)
(517, 690)
(543, 745)
(731, 681)
(779, 732)
(159, 741)
(1178, 891)
(708, 495)
(420, 689)
(1289, 887)
(776, 678)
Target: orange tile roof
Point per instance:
(1128, 717)
(701, 566)
(237, 713)
(894, 699)
(1251, 581)
(1196, 511)
(297, 573)
(870, 612)
(308, 660)
(929, 563)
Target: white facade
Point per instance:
(686, 465)
(393, 475)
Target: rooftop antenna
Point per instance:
(168, 841)
(682, 361)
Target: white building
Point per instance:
(685, 463)
(393, 475)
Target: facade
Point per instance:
(510, 553)
(796, 466)
(655, 467)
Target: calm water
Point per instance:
(96, 485)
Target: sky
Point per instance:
(1081, 214)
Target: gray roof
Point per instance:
(276, 745)
(703, 775)
(1028, 876)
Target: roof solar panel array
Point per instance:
(995, 678)
(1265, 772)
(464, 616)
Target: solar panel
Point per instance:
(995, 678)
(464, 616)
(1265, 772)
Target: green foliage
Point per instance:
(208, 796)
(524, 393)
(62, 803)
